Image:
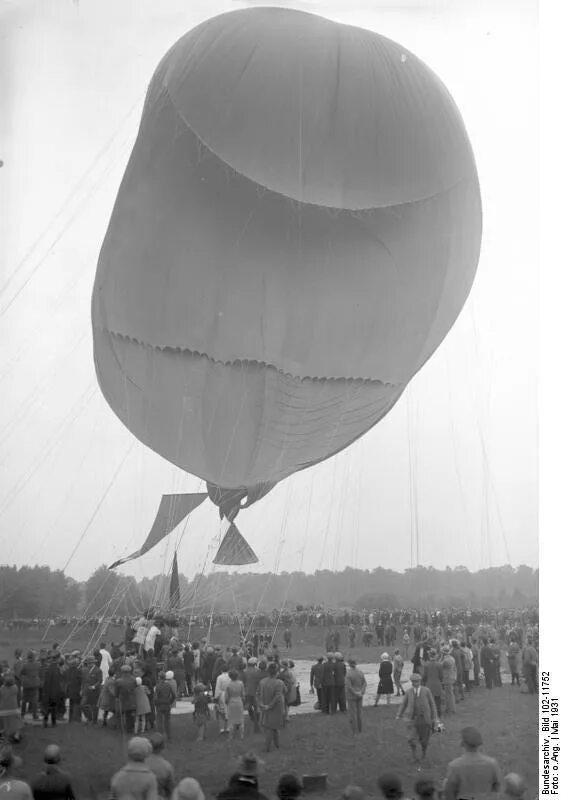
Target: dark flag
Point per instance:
(174, 584)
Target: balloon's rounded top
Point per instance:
(355, 121)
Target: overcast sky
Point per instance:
(455, 461)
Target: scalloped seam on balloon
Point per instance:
(246, 361)
(343, 209)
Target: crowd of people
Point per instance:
(502, 619)
(148, 775)
(133, 685)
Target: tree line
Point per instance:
(38, 592)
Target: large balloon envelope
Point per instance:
(296, 231)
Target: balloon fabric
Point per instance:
(297, 230)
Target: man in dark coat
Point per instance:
(30, 683)
(270, 697)
(315, 681)
(495, 647)
(235, 662)
(487, 659)
(339, 674)
(151, 666)
(52, 783)
(176, 665)
(52, 691)
(189, 666)
(252, 678)
(328, 685)
(125, 703)
(460, 660)
(421, 654)
(73, 679)
(207, 667)
(92, 678)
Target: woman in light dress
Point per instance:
(234, 696)
(222, 682)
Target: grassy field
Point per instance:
(310, 744)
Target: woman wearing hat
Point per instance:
(385, 685)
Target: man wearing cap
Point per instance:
(52, 783)
(161, 767)
(135, 781)
(355, 686)
(164, 698)
(419, 709)
(473, 774)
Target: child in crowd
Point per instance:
(142, 706)
(201, 713)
